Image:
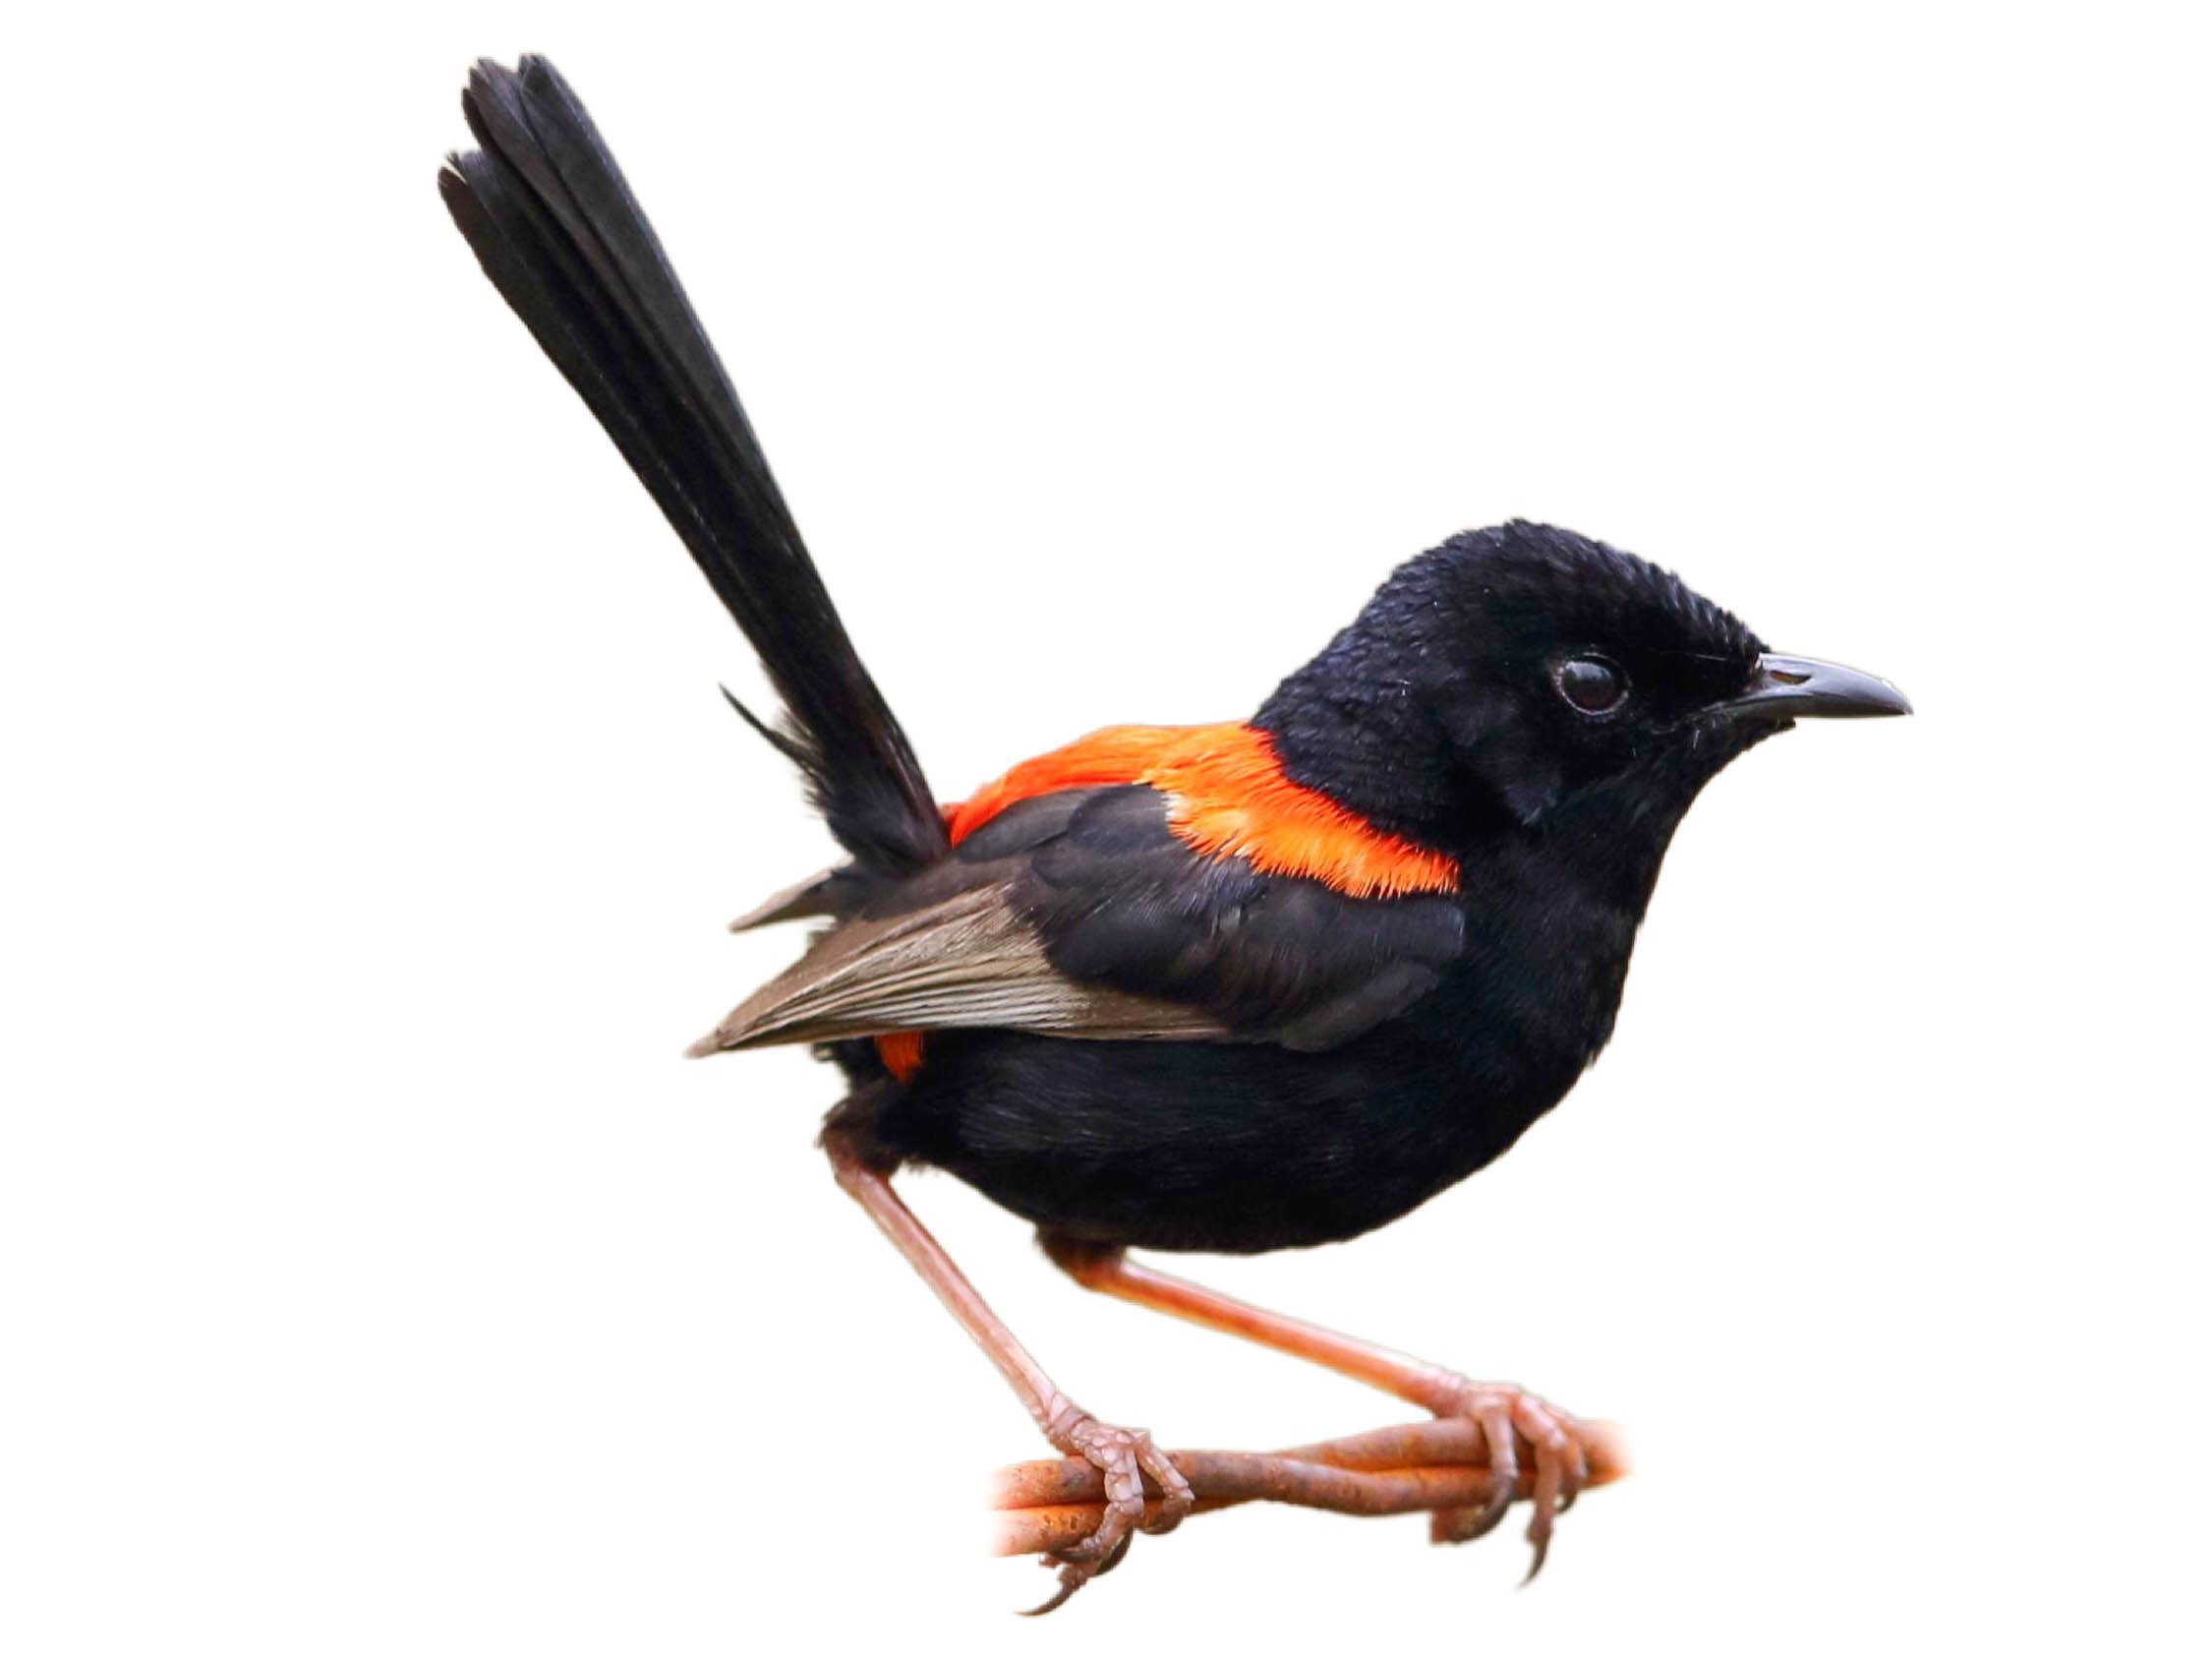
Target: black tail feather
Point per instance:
(557, 231)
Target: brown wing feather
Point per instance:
(969, 959)
(814, 896)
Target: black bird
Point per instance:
(1232, 987)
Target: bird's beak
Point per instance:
(1797, 687)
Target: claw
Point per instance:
(1078, 1569)
(1123, 1456)
(1536, 1562)
(1176, 1498)
(1070, 1583)
(1464, 1526)
(1507, 1415)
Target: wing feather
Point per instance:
(1079, 913)
(968, 960)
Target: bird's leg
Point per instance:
(1561, 1459)
(1121, 1456)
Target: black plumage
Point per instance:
(1450, 1024)
(557, 231)
(1236, 988)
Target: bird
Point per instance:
(1235, 986)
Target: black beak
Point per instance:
(1797, 687)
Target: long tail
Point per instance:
(557, 231)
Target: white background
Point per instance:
(374, 1277)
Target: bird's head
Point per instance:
(1524, 677)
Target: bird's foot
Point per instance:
(1124, 1456)
(1508, 1415)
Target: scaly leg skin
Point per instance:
(1123, 1456)
(1501, 1410)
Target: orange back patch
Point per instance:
(1227, 797)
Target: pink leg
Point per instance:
(1556, 1440)
(1121, 1456)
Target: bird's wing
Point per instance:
(1082, 913)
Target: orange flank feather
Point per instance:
(1227, 797)
(901, 1054)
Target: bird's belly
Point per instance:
(1233, 1147)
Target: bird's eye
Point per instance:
(1591, 685)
